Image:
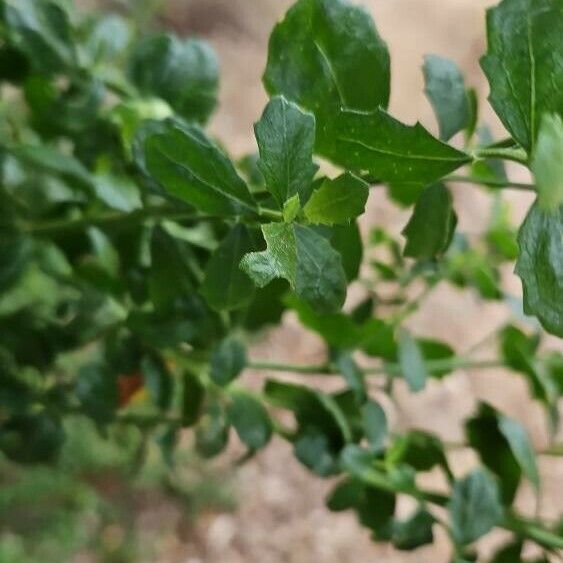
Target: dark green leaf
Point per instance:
(227, 361)
(547, 164)
(347, 241)
(415, 531)
(375, 425)
(509, 553)
(379, 340)
(305, 259)
(31, 438)
(185, 73)
(431, 227)
(192, 168)
(97, 391)
(337, 201)
(14, 256)
(445, 89)
(484, 436)
(42, 30)
(319, 56)
(434, 350)
(474, 507)
(524, 64)
(347, 494)
(158, 380)
(250, 420)
(411, 362)
(540, 266)
(225, 286)
(193, 395)
(286, 137)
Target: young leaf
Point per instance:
(431, 227)
(192, 168)
(185, 73)
(412, 362)
(227, 361)
(286, 137)
(319, 56)
(225, 286)
(547, 163)
(524, 64)
(445, 89)
(305, 259)
(375, 145)
(250, 420)
(540, 266)
(291, 208)
(42, 30)
(474, 507)
(375, 425)
(337, 201)
(517, 438)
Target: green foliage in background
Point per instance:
(137, 257)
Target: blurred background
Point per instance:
(102, 503)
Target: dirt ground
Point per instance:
(281, 518)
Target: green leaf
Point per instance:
(347, 241)
(185, 73)
(305, 259)
(432, 224)
(14, 257)
(97, 391)
(319, 56)
(519, 442)
(192, 168)
(415, 531)
(377, 146)
(411, 362)
(445, 88)
(286, 137)
(31, 438)
(547, 164)
(375, 425)
(193, 396)
(379, 340)
(485, 437)
(42, 30)
(212, 431)
(291, 208)
(474, 507)
(337, 201)
(227, 361)
(524, 64)
(250, 420)
(540, 266)
(225, 286)
(158, 380)
(353, 376)
(108, 37)
(117, 192)
(510, 553)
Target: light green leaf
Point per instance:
(412, 363)
(337, 201)
(474, 507)
(547, 163)
(540, 266)
(445, 89)
(227, 361)
(519, 442)
(286, 137)
(225, 285)
(192, 168)
(117, 192)
(250, 420)
(432, 224)
(305, 259)
(524, 64)
(320, 55)
(42, 30)
(291, 208)
(375, 425)
(185, 73)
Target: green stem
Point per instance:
(514, 154)
(267, 213)
(432, 366)
(491, 183)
